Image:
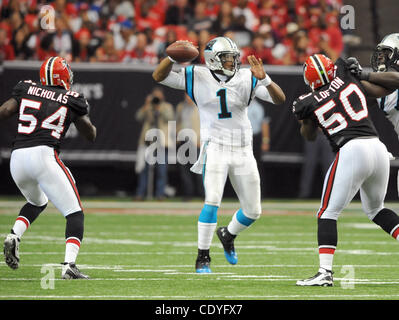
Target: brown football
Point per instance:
(182, 51)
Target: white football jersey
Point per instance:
(390, 106)
(222, 104)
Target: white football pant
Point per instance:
(41, 176)
(239, 164)
(361, 164)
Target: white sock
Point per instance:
(71, 250)
(20, 226)
(236, 227)
(205, 235)
(326, 261)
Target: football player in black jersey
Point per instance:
(45, 111)
(337, 104)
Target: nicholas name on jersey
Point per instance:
(45, 113)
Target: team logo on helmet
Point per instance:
(55, 71)
(318, 70)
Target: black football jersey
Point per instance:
(45, 113)
(339, 108)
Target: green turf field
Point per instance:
(146, 251)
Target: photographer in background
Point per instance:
(154, 114)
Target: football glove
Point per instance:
(353, 65)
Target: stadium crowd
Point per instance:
(282, 32)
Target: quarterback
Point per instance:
(45, 111)
(222, 92)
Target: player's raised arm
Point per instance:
(86, 128)
(162, 70)
(258, 72)
(8, 108)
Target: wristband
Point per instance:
(172, 60)
(266, 81)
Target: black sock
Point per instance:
(388, 221)
(327, 234)
(74, 225)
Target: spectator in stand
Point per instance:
(148, 16)
(124, 36)
(242, 35)
(82, 50)
(6, 49)
(200, 21)
(179, 13)
(170, 37)
(20, 37)
(140, 53)
(125, 8)
(62, 39)
(224, 20)
(212, 8)
(203, 38)
(107, 52)
(258, 49)
(302, 48)
(246, 9)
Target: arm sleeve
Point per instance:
(175, 80)
(262, 93)
(79, 105)
(19, 90)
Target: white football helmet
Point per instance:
(386, 54)
(218, 51)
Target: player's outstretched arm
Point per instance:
(258, 72)
(389, 80)
(8, 108)
(162, 70)
(375, 90)
(86, 128)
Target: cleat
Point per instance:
(227, 240)
(202, 264)
(323, 278)
(71, 271)
(11, 251)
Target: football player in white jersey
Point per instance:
(222, 92)
(386, 58)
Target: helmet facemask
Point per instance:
(222, 55)
(232, 60)
(385, 58)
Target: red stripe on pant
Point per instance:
(74, 241)
(327, 250)
(330, 183)
(61, 164)
(395, 233)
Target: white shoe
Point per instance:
(11, 251)
(71, 271)
(323, 278)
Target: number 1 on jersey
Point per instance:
(224, 113)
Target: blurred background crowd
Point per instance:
(281, 32)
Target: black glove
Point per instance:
(356, 69)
